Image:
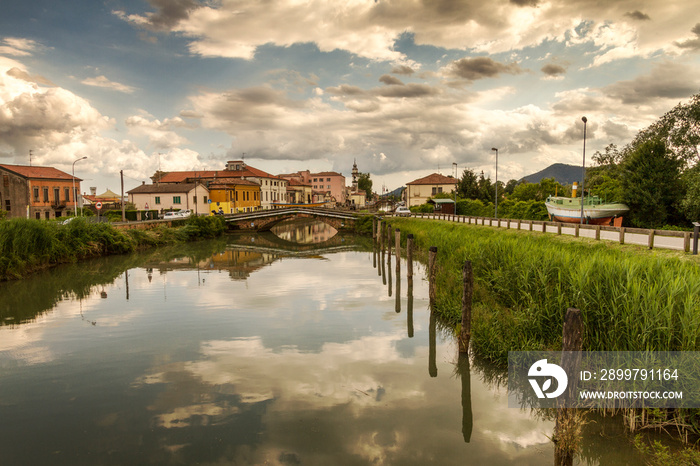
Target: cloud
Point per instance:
(18, 47)
(692, 44)
(553, 70)
(161, 134)
(23, 75)
(638, 15)
(390, 80)
(479, 68)
(102, 81)
(666, 81)
(403, 69)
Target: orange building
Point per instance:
(233, 195)
(37, 192)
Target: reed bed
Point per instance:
(630, 301)
(27, 245)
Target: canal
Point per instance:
(289, 348)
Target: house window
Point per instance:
(328, 179)
(36, 194)
(47, 214)
(8, 206)
(329, 186)
(157, 200)
(176, 200)
(56, 196)
(38, 215)
(315, 180)
(6, 180)
(66, 193)
(46, 195)
(205, 199)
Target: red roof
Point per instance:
(248, 171)
(435, 178)
(232, 181)
(44, 173)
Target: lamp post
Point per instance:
(493, 148)
(583, 168)
(75, 200)
(454, 166)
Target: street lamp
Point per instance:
(493, 148)
(75, 200)
(583, 168)
(454, 166)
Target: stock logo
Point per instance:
(541, 369)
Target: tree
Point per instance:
(604, 179)
(486, 189)
(651, 185)
(510, 186)
(468, 187)
(690, 205)
(364, 183)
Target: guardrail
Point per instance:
(663, 239)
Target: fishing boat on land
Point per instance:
(595, 210)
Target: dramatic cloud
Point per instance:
(667, 81)
(23, 75)
(692, 44)
(479, 68)
(17, 47)
(102, 81)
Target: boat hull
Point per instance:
(593, 215)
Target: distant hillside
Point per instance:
(397, 192)
(561, 172)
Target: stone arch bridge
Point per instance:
(264, 220)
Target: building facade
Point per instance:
(38, 192)
(419, 191)
(234, 195)
(165, 197)
(328, 187)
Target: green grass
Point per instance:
(27, 245)
(630, 299)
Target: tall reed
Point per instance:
(629, 301)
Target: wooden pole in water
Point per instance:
(571, 347)
(465, 333)
(397, 234)
(388, 240)
(432, 254)
(409, 256)
(374, 228)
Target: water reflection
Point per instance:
(239, 352)
(304, 231)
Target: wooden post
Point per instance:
(576, 229)
(397, 233)
(498, 224)
(597, 232)
(431, 275)
(531, 223)
(544, 227)
(519, 221)
(571, 346)
(409, 256)
(651, 239)
(374, 228)
(465, 333)
(622, 235)
(696, 235)
(507, 224)
(558, 228)
(686, 241)
(388, 240)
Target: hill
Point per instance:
(561, 172)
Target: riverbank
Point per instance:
(28, 245)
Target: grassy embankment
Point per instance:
(631, 299)
(28, 245)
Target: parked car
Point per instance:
(177, 215)
(402, 211)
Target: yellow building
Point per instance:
(234, 195)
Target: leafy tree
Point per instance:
(604, 179)
(690, 205)
(651, 185)
(486, 189)
(510, 186)
(539, 191)
(468, 187)
(364, 183)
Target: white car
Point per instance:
(177, 215)
(402, 211)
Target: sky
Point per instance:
(404, 87)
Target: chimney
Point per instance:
(143, 183)
(93, 190)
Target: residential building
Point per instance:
(234, 195)
(326, 187)
(273, 189)
(419, 191)
(298, 192)
(171, 196)
(38, 192)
